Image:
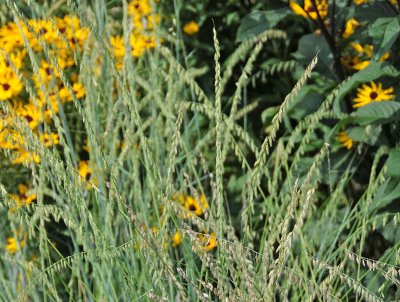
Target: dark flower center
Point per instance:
(6, 87)
(192, 208)
(43, 31)
(29, 118)
(88, 175)
(373, 95)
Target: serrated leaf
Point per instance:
(259, 21)
(377, 113)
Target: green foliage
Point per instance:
(257, 22)
(384, 32)
(377, 113)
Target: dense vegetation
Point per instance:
(199, 150)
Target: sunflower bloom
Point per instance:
(23, 197)
(208, 242)
(196, 206)
(373, 93)
(10, 86)
(308, 10)
(345, 140)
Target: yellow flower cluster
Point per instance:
(308, 10)
(34, 91)
(195, 206)
(360, 56)
(366, 94)
(13, 245)
(62, 36)
(23, 197)
(142, 36)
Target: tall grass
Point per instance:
(96, 243)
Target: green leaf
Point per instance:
(384, 32)
(387, 192)
(268, 114)
(259, 21)
(369, 134)
(393, 163)
(377, 113)
(391, 231)
(311, 44)
(374, 71)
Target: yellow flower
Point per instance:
(208, 242)
(354, 62)
(86, 172)
(373, 93)
(345, 140)
(46, 74)
(13, 245)
(152, 21)
(196, 206)
(138, 8)
(10, 37)
(23, 198)
(366, 49)
(359, 2)
(46, 30)
(191, 28)
(77, 88)
(176, 239)
(10, 84)
(25, 156)
(138, 45)
(50, 139)
(30, 112)
(351, 26)
(9, 139)
(118, 47)
(362, 58)
(308, 10)
(15, 58)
